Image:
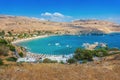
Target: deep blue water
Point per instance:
(66, 44)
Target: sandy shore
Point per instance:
(27, 39)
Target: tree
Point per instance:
(83, 54)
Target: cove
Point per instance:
(67, 44)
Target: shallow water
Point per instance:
(66, 44)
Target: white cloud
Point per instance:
(58, 17)
(56, 14)
(46, 14)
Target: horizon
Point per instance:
(63, 11)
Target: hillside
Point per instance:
(104, 70)
(24, 24)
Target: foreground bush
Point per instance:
(71, 60)
(46, 60)
(13, 59)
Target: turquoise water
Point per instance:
(66, 44)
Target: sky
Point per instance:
(63, 10)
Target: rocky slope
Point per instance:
(25, 24)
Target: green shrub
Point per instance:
(84, 61)
(81, 54)
(21, 54)
(54, 61)
(12, 48)
(3, 41)
(71, 60)
(1, 62)
(46, 60)
(10, 33)
(13, 59)
(61, 62)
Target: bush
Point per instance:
(81, 54)
(13, 59)
(61, 62)
(46, 60)
(1, 62)
(21, 54)
(54, 61)
(71, 60)
(12, 48)
(84, 61)
(3, 41)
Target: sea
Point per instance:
(67, 44)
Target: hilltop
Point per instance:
(19, 24)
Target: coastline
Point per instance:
(31, 38)
(41, 56)
(35, 56)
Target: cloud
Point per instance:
(46, 14)
(58, 17)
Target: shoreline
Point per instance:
(43, 36)
(30, 55)
(31, 38)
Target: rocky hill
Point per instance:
(24, 24)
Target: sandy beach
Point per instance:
(27, 39)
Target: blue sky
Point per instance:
(63, 10)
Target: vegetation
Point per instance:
(46, 60)
(10, 33)
(21, 54)
(1, 62)
(3, 41)
(87, 55)
(2, 34)
(12, 48)
(71, 60)
(82, 54)
(13, 59)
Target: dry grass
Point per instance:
(92, 71)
